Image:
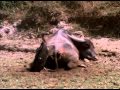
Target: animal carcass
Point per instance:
(61, 49)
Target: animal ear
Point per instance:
(90, 43)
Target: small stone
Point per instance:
(4, 80)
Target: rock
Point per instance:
(8, 29)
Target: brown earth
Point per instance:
(103, 73)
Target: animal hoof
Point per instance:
(82, 65)
(86, 60)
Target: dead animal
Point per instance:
(60, 50)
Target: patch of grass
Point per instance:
(59, 80)
(97, 17)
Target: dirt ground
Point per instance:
(103, 73)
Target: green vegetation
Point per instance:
(96, 17)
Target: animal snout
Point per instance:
(95, 58)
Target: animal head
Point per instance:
(89, 53)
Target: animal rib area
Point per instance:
(58, 40)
